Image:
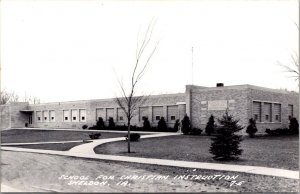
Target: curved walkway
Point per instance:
(87, 151)
(185, 164)
(88, 148)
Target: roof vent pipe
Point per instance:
(220, 84)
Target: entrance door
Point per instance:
(30, 119)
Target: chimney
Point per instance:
(220, 84)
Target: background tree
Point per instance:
(294, 68)
(6, 97)
(251, 128)
(129, 102)
(225, 145)
(210, 126)
(185, 125)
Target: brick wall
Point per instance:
(238, 100)
(107, 104)
(273, 96)
(214, 101)
(4, 117)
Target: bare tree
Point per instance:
(129, 102)
(31, 99)
(294, 69)
(6, 97)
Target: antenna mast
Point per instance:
(192, 65)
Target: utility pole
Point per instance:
(192, 65)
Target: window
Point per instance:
(100, 112)
(172, 111)
(110, 113)
(121, 114)
(268, 112)
(45, 115)
(52, 115)
(277, 112)
(143, 113)
(66, 114)
(267, 117)
(256, 110)
(38, 116)
(82, 113)
(157, 112)
(290, 111)
(75, 115)
(144, 117)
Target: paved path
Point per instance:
(88, 148)
(5, 188)
(88, 130)
(47, 142)
(200, 165)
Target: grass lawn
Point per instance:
(27, 135)
(277, 152)
(51, 146)
(252, 182)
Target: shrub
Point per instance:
(121, 127)
(162, 125)
(100, 124)
(84, 126)
(268, 131)
(196, 131)
(225, 145)
(210, 126)
(279, 131)
(176, 126)
(251, 129)
(186, 125)
(111, 123)
(133, 137)
(95, 135)
(146, 124)
(294, 126)
(93, 127)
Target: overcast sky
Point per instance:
(68, 50)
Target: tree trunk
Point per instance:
(128, 136)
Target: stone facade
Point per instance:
(270, 107)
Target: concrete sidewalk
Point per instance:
(89, 147)
(5, 188)
(176, 163)
(90, 130)
(46, 142)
